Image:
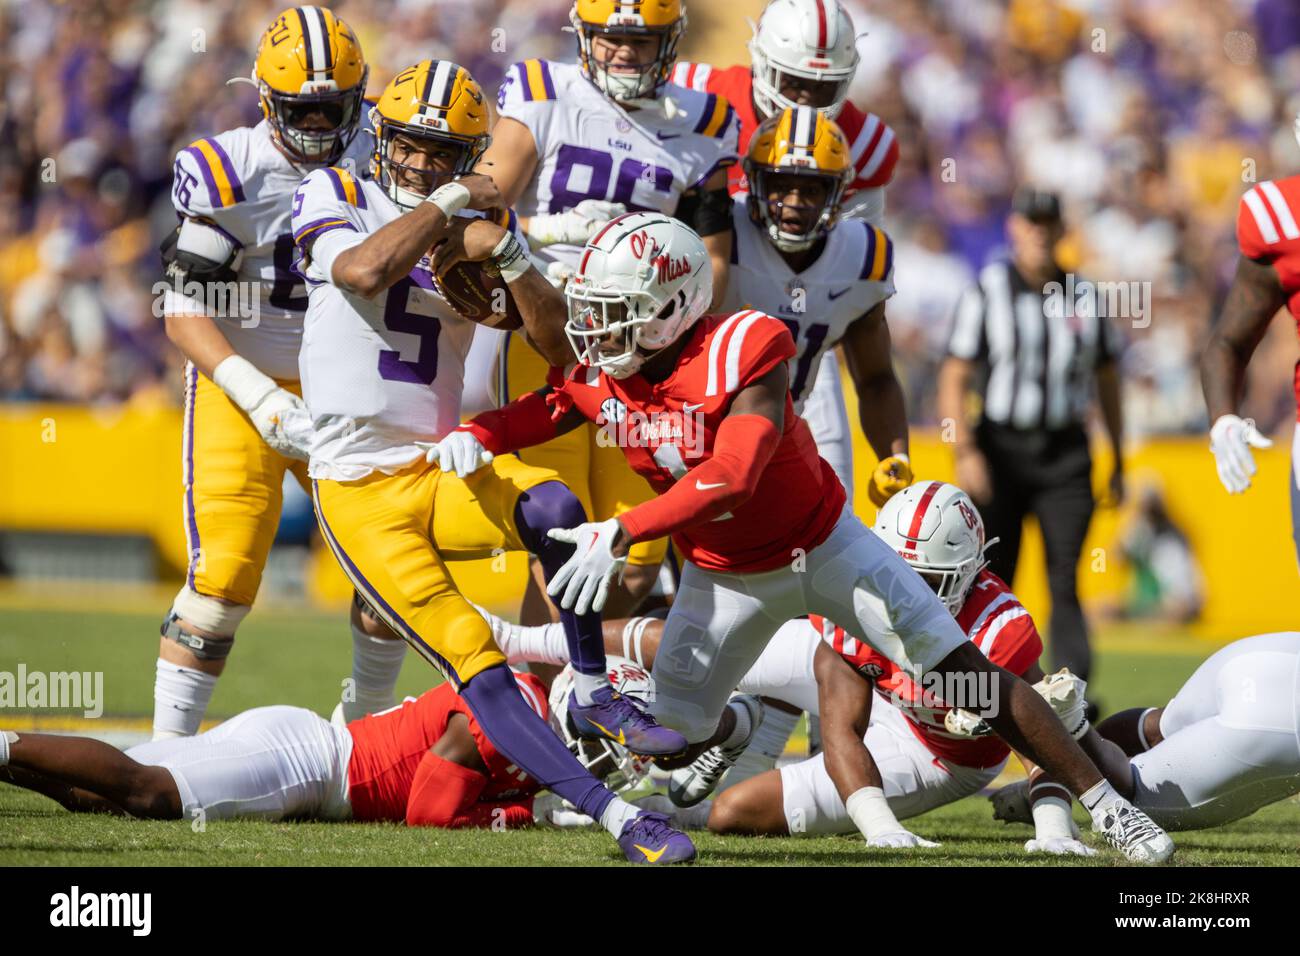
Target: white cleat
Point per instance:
(689, 785)
(1132, 832)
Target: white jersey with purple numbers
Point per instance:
(242, 184)
(589, 147)
(378, 374)
(853, 274)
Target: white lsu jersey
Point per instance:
(853, 274)
(240, 182)
(378, 374)
(589, 147)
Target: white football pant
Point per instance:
(1231, 738)
(269, 763)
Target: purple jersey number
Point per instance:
(288, 292)
(600, 167)
(814, 336)
(399, 317)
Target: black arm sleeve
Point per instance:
(708, 212)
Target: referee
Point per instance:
(1032, 343)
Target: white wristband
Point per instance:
(870, 812)
(510, 258)
(451, 198)
(1052, 819)
(242, 382)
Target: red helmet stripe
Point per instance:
(918, 517)
(821, 24)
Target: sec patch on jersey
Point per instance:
(478, 293)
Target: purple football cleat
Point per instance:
(612, 716)
(649, 839)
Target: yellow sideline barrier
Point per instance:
(69, 468)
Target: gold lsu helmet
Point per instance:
(798, 141)
(663, 19)
(434, 101)
(309, 61)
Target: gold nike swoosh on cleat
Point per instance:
(652, 856)
(605, 730)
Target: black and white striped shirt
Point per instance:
(1039, 347)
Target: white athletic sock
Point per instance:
(743, 725)
(1096, 797)
(7, 737)
(180, 699)
(584, 685)
(376, 663)
(616, 816)
(774, 732)
(693, 818)
(540, 644)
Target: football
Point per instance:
(478, 293)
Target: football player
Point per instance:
(701, 406)
(426, 762)
(382, 365)
(804, 53)
(1224, 747)
(579, 142)
(1267, 279)
(827, 279)
(235, 310)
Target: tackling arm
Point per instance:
(744, 444)
(449, 782)
(1254, 297)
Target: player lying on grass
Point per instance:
(1225, 746)
(425, 762)
(701, 407)
(908, 751)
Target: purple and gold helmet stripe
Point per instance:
(315, 41)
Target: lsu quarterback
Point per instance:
(243, 415)
(580, 142)
(382, 367)
(759, 515)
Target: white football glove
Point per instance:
(1231, 440)
(587, 574)
(899, 840)
(575, 226)
(459, 451)
(1065, 693)
(279, 416)
(963, 723)
(1059, 846)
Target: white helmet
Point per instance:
(936, 528)
(642, 280)
(619, 768)
(811, 39)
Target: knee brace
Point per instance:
(207, 614)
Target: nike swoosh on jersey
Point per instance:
(710, 487)
(688, 407)
(663, 136)
(835, 295)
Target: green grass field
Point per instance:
(295, 656)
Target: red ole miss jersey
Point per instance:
(667, 429)
(1001, 628)
(1268, 231)
(387, 749)
(872, 144)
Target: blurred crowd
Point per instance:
(1150, 117)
